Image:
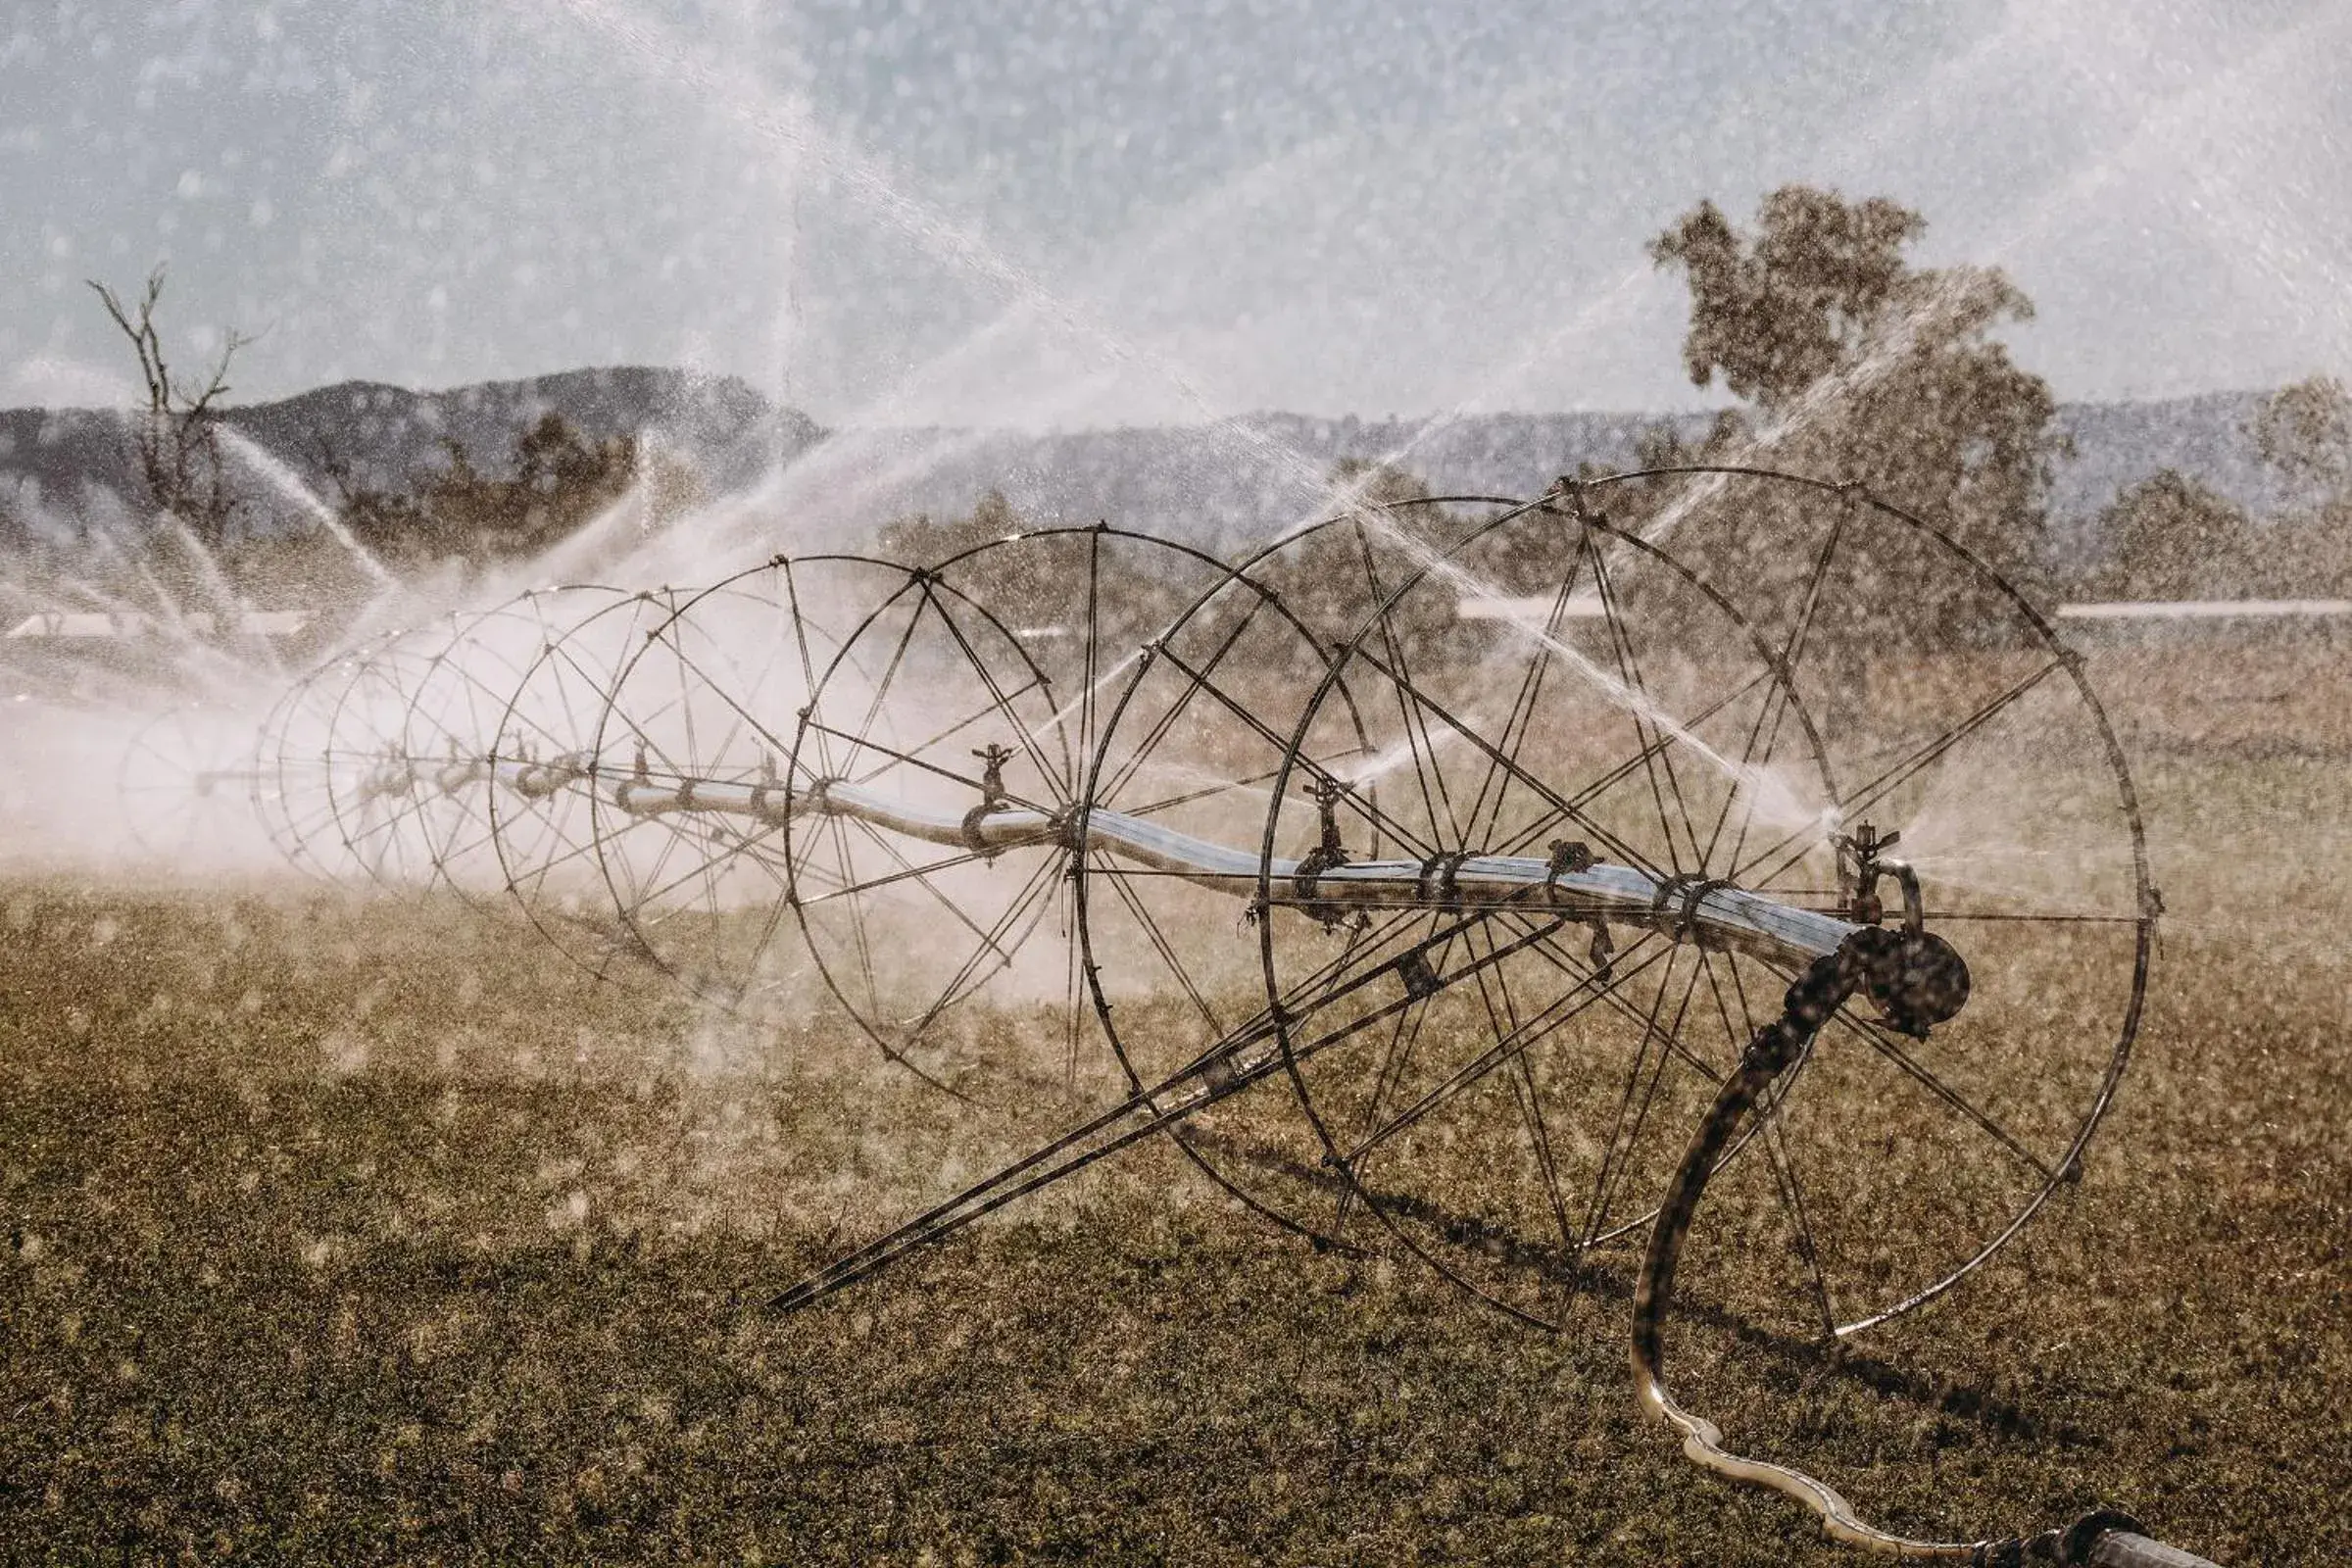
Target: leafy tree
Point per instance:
(1853, 363)
(2171, 537)
(560, 480)
(1802, 300)
(2304, 431)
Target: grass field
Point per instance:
(348, 1232)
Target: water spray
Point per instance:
(1608, 839)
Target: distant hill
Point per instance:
(383, 436)
(1216, 485)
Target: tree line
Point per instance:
(1843, 357)
(1848, 360)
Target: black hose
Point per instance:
(1917, 981)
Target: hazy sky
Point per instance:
(1096, 211)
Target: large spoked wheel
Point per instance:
(1195, 744)
(691, 752)
(304, 743)
(383, 781)
(543, 818)
(971, 702)
(1500, 1088)
(1507, 1101)
(1953, 715)
(470, 727)
(186, 785)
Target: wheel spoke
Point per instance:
(1881, 1041)
(1353, 802)
(1160, 944)
(1396, 1061)
(945, 735)
(891, 878)
(1521, 717)
(1625, 1135)
(1900, 773)
(1568, 810)
(1055, 783)
(968, 976)
(1779, 696)
(1254, 780)
(1506, 1026)
(902, 759)
(1196, 681)
(1551, 818)
(1557, 1013)
(921, 876)
(1414, 727)
(1620, 642)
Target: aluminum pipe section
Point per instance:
(1710, 912)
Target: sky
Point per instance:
(1105, 211)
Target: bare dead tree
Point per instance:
(178, 437)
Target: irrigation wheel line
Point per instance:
(293, 790)
(467, 716)
(1492, 984)
(1507, 1131)
(707, 697)
(185, 781)
(543, 827)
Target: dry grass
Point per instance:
(361, 1233)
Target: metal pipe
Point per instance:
(1710, 912)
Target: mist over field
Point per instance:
(867, 782)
